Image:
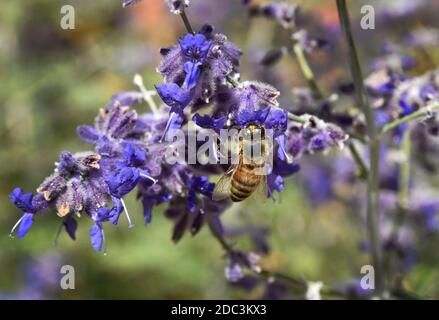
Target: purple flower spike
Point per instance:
(195, 47)
(245, 118)
(208, 122)
(174, 96)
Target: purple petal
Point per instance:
(96, 236)
(70, 225)
(208, 122)
(22, 201)
(88, 134)
(174, 96)
(245, 118)
(193, 72)
(25, 224)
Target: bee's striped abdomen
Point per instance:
(244, 182)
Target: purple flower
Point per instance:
(233, 272)
(429, 212)
(251, 96)
(122, 181)
(193, 72)
(208, 122)
(195, 47)
(275, 179)
(277, 121)
(126, 98)
(117, 122)
(246, 118)
(284, 169)
(149, 201)
(70, 225)
(275, 183)
(96, 236)
(318, 143)
(112, 215)
(88, 134)
(199, 185)
(25, 223)
(25, 203)
(174, 96)
(239, 261)
(22, 201)
(133, 156)
(212, 58)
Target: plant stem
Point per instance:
(306, 69)
(362, 172)
(404, 172)
(186, 22)
(415, 115)
(296, 282)
(293, 117)
(374, 147)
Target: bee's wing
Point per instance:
(262, 190)
(222, 187)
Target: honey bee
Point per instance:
(242, 179)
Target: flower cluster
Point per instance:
(130, 150)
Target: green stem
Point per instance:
(295, 282)
(186, 22)
(362, 171)
(374, 147)
(293, 117)
(404, 172)
(415, 115)
(306, 69)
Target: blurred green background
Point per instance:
(53, 80)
